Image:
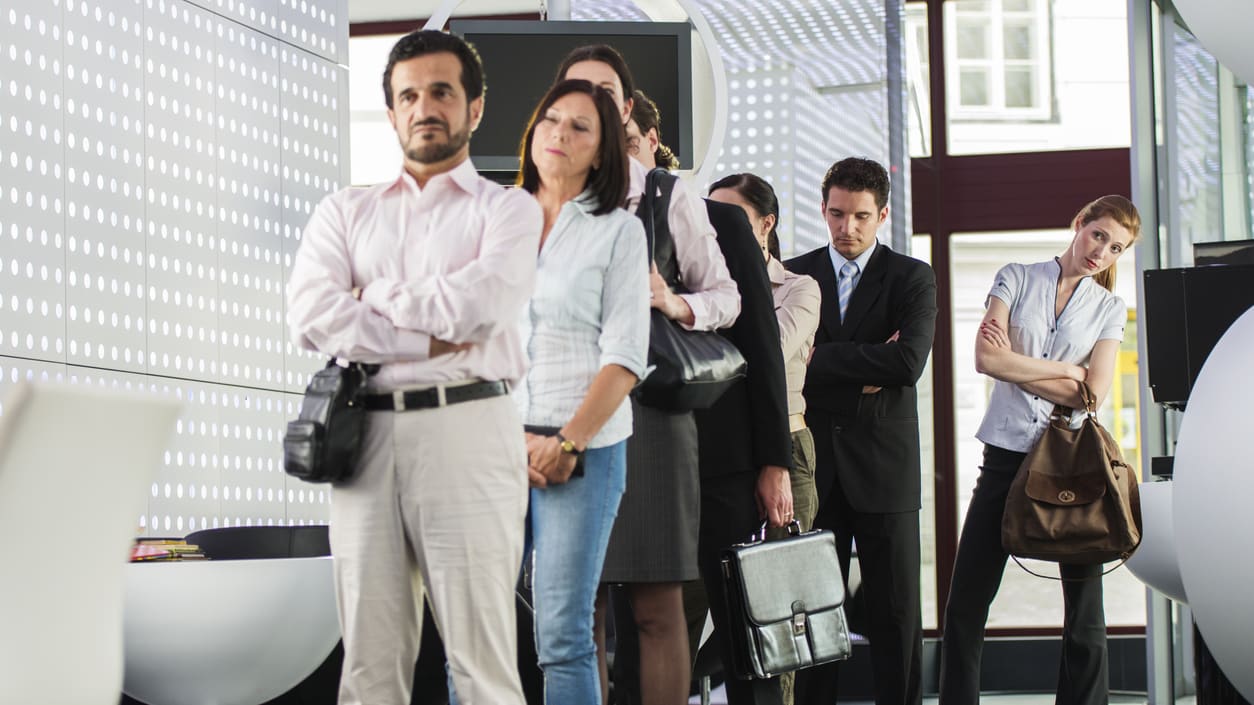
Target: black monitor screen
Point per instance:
(520, 60)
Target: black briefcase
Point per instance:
(786, 598)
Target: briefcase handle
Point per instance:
(794, 529)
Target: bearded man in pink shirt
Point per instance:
(427, 275)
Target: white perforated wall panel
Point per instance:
(158, 159)
(807, 87)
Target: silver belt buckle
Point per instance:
(398, 400)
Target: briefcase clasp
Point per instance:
(799, 624)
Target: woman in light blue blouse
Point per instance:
(1048, 327)
(587, 332)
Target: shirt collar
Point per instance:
(775, 272)
(838, 260)
(463, 175)
(584, 202)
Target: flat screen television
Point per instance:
(520, 60)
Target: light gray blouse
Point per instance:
(1015, 419)
(590, 308)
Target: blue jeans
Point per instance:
(570, 529)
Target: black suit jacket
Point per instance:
(874, 438)
(748, 426)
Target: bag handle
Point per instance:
(1062, 413)
(1069, 580)
(794, 529)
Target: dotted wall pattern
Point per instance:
(158, 159)
(807, 87)
(317, 26)
(104, 212)
(180, 174)
(314, 150)
(32, 182)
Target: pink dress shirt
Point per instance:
(715, 299)
(455, 260)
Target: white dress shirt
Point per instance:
(838, 261)
(715, 299)
(590, 309)
(454, 260)
(1015, 418)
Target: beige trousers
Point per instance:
(437, 506)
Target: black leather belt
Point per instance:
(437, 396)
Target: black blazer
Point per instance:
(748, 426)
(874, 438)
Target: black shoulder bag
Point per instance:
(323, 443)
(689, 369)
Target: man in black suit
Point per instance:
(876, 324)
(745, 449)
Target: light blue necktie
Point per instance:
(845, 286)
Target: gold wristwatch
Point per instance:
(567, 445)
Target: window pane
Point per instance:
(1020, 92)
(972, 6)
(375, 154)
(1249, 154)
(974, 86)
(1017, 41)
(1025, 600)
(1198, 177)
(918, 81)
(921, 248)
(1072, 100)
(972, 39)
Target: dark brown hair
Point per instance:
(858, 174)
(644, 111)
(608, 182)
(430, 41)
(607, 55)
(758, 193)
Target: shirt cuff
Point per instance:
(415, 346)
(700, 313)
(631, 364)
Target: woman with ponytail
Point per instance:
(1049, 327)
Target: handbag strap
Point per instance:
(646, 201)
(1068, 580)
(653, 181)
(1062, 413)
(368, 368)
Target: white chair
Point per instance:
(74, 465)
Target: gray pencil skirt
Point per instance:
(655, 535)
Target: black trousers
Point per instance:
(1083, 673)
(889, 558)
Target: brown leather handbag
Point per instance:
(1074, 499)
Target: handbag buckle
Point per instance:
(799, 624)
